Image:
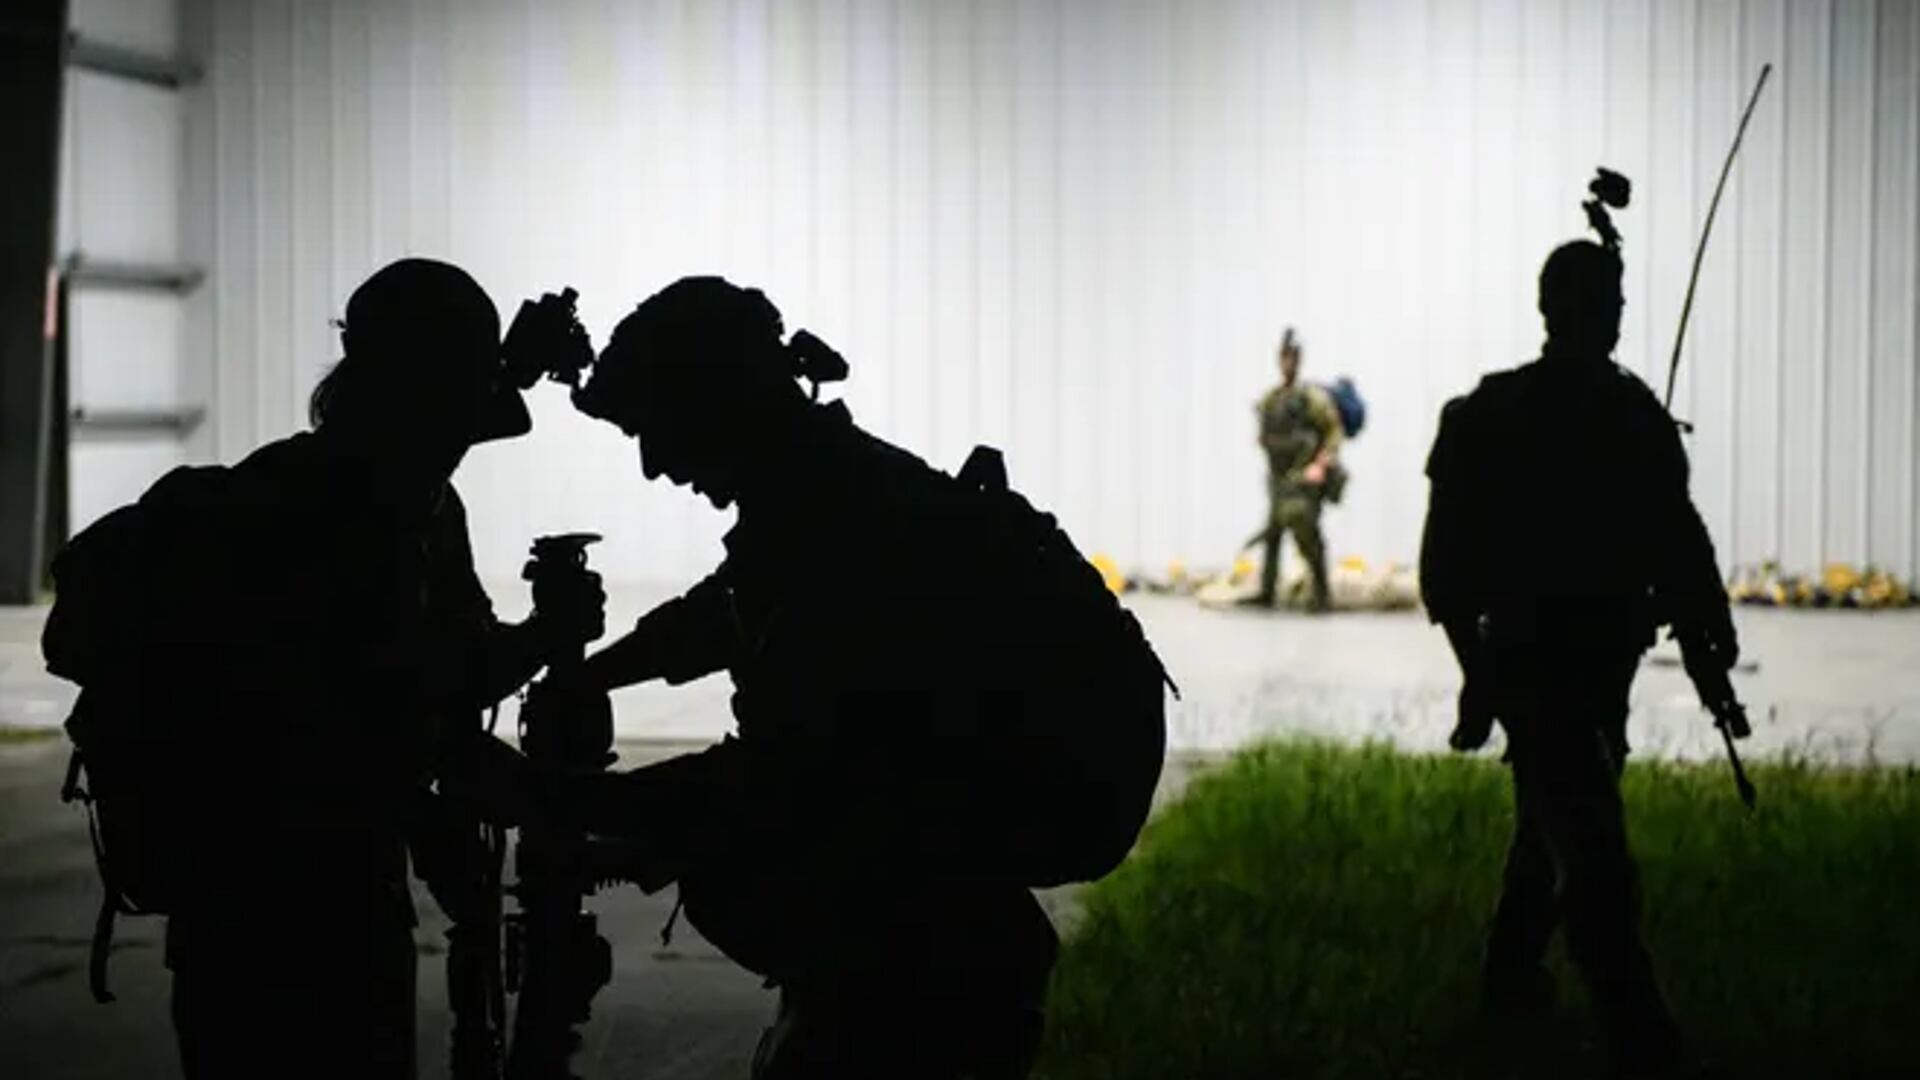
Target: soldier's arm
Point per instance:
(1439, 587)
(1447, 585)
(1450, 584)
(1688, 581)
(492, 658)
(683, 639)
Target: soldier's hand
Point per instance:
(571, 608)
(1474, 724)
(1316, 474)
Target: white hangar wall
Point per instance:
(1076, 229)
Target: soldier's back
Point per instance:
(1569, 461)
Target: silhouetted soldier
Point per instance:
(917, 684)
(1301, 432)
(347, 639)
(1560, 535)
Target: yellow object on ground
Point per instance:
(1838, 585)
(1355, 586)
(1110, 573)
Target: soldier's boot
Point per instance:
(1517, 994)
(1643, 1041)
(1313, 549)
(1601, 903)
(1269, 570)
(1516, 990)
(1322, 601)
(972, 1007)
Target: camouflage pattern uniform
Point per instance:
(1559, 536)
(1298, 423)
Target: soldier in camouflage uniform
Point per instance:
(1301, 433)
(1570, 461)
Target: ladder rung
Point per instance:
(170, 72)
(177, 422)
(81, 270)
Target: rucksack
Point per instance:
(125, 592)
(1093, 672)
(1353, 409)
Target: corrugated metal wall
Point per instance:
(1076, 229)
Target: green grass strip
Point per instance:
(1314, 911)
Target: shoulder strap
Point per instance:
(112, 904)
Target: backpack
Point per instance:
(1353, 409)
(1092, 761)
(122, 616)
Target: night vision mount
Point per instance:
(546, 338)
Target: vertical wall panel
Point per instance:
(1037, 191)
(199, 230)
(1806, 89)
(993, 103)
(1848, 328)
(1890, 352)
(1757, 351)
(1076, 229)
(1716, 95)
(952, 264)
(275, 331)
(1911, 302)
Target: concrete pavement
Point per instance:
(679, 1012)
(1838, 686)
(1834, 685)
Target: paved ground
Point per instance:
(674, 1013)
(1840, 686)
(682, 1012)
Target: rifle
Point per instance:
(548, 952)
(476, 989)
(1708, 671)
(556, 960)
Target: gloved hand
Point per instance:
(570, 608)
(1474, 724)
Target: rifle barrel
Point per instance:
(1740, 782)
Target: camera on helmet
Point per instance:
(1608, 188)
(546, 338)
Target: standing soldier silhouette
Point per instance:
(1568, 461)
(1300, 431)
(302, 643)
